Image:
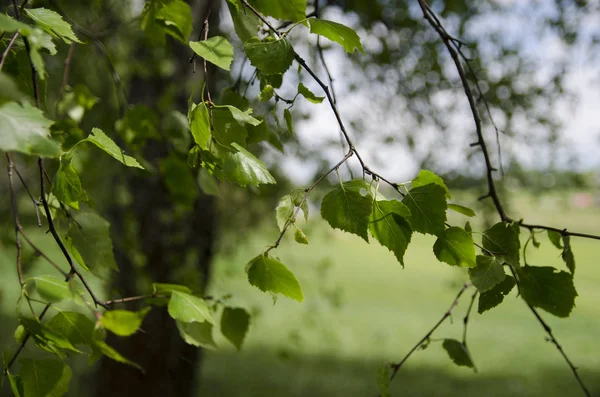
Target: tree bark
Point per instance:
(171, 366)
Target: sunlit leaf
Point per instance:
(123, 322)
(100, 139)
(341, 34)
(188, 308)
(348, 207)
(455, 247)
(389, 226)
(270, 275)
(24, 129)
(216, 50)
(308, 94)
(197, 334)
(427, 206)
(53, 23)
(243, 168)
(270, 57)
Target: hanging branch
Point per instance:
(452, 46)
(448, 313)
(551, 337)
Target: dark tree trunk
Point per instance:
(167, 241)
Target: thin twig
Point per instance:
(307, 191)
(36, 203)
(67, 70)
(448, 313)
(8, 48)
(17, 224)
(41, 253)
(551, 336)
(57, 238)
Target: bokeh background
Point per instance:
(537, 63)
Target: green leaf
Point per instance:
(270, 57)
(245, 169)
(458, 352)
(300, 237)
(200, 125)
(427, 205)
(242, 117)
(167, 289)
(53, 23)
(235, 322)
(197, 334)
(67, 185)
(502, 240)
(227, 129)
(308, 94)
(245, 23)
(487, 274)
(555, 238)
(389, 226)
(102, 347)
(123, 322)
(75, 327)
(287, 115)
(292, 10)
(51, 289)
(466, 211)
(284, 211)
(337, 32)
(348, 208)
(297, 198)
(567, 254)
(426, 177)
(100, 139)
(455, 247)
(47, 338)
(266, 93)
(16, 384)
(547, 289)
(90, 236)
(492, 298)
(38, 39)
(216, 50)
(188, 308)
(270, 275)
(9, 90)
(43, 378)
(383, 380)
(24, 129)
(179, 179)
(175, 17)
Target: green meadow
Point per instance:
(361, 310)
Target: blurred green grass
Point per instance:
(362, 309)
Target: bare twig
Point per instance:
(551, 337)
(8, 48)
(65, 79)
(17, 224)
(307, 191)
(448, 313)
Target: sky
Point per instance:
(580, 135)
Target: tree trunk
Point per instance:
(168, 242)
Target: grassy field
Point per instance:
(362, 309)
